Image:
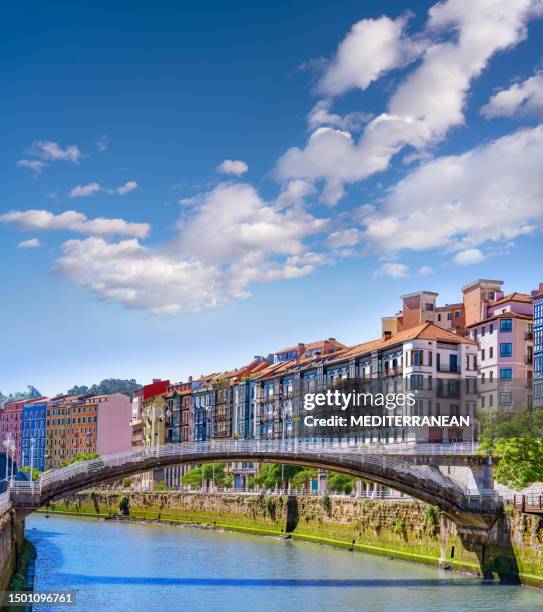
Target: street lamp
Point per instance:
(7, 445)
(32, 442)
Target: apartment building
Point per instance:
(505, 351)
(84, 424)
(537, 300)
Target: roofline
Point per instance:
(479, 281)
(408, 295)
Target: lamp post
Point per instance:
(12, 449)
(7, 445)
(32, 442)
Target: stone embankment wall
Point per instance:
(404, 529)
(12, 546)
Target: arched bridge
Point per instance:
(422, 482)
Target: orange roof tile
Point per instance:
(513, 297)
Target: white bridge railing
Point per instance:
(337, 451)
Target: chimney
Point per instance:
(387, 335)
(538, 290)
(190, 379)
(156, 380)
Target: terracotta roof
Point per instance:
(426, 331)
(357, 350)
(513, 297)
(503, 315)
(313, 345)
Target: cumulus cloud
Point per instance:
(84, 191)
(32, 243)
(524, 98)
(35, 165)
(491, 193)
(127, 187)
(321, 114)
(468, 257)
(233, 166)
(229, 239)
(371, 48)
(71, 220)
(394, 270)
(425, 106)
(43, 151)
(102, 143)
(344, 238)
(425, 271)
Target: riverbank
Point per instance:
(407, 530)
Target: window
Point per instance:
(491, 373)
(491, 352)
(439, 317)
(482, 354)
(506, 325)
(483, 330)
(449, 316)
(457, 314)
(506, 349)
(429, 307)
(491, 330)
(416, 358)
(429, 358)
(506, 373)
(475, 334)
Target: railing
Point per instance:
(526, 502)
(324, 450)
(5, 501)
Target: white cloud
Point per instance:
(229, 240)
(102, 143)
(344, 238)
(525, 98)
(84, 191)
(394, 270)
(461, 36)
(35, 165)
(127, 187)
(425, 271)
(468, 257)
(371, 48)
(71, 220)
(32, 243)
(320, 115)
(52, 151)
(131, 274)
(491, 193)
(232, 166)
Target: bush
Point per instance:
(161, 486)
(127, 482)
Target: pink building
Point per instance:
(113, 431)
(505, 350)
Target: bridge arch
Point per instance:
(422, 482)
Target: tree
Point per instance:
(215, 472)
(340, 483)
(35, 473)
(79, 457)
(515, 441)
(273, 474)
(106, 387)
(30, 393)
(302, 479)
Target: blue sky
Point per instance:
(374, 151)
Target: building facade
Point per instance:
(537, 300)
(33, 437)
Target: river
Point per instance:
(122, 566)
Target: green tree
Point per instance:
(35, 473)
(215, 472)
(79, 457)
(515, 442)
(273, 474)
(302, 479)
(30, 393)
(340, 483)
(106, 387)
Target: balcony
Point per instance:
(529, 359)
(390, 373)
(448, 368)
(529, 335)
